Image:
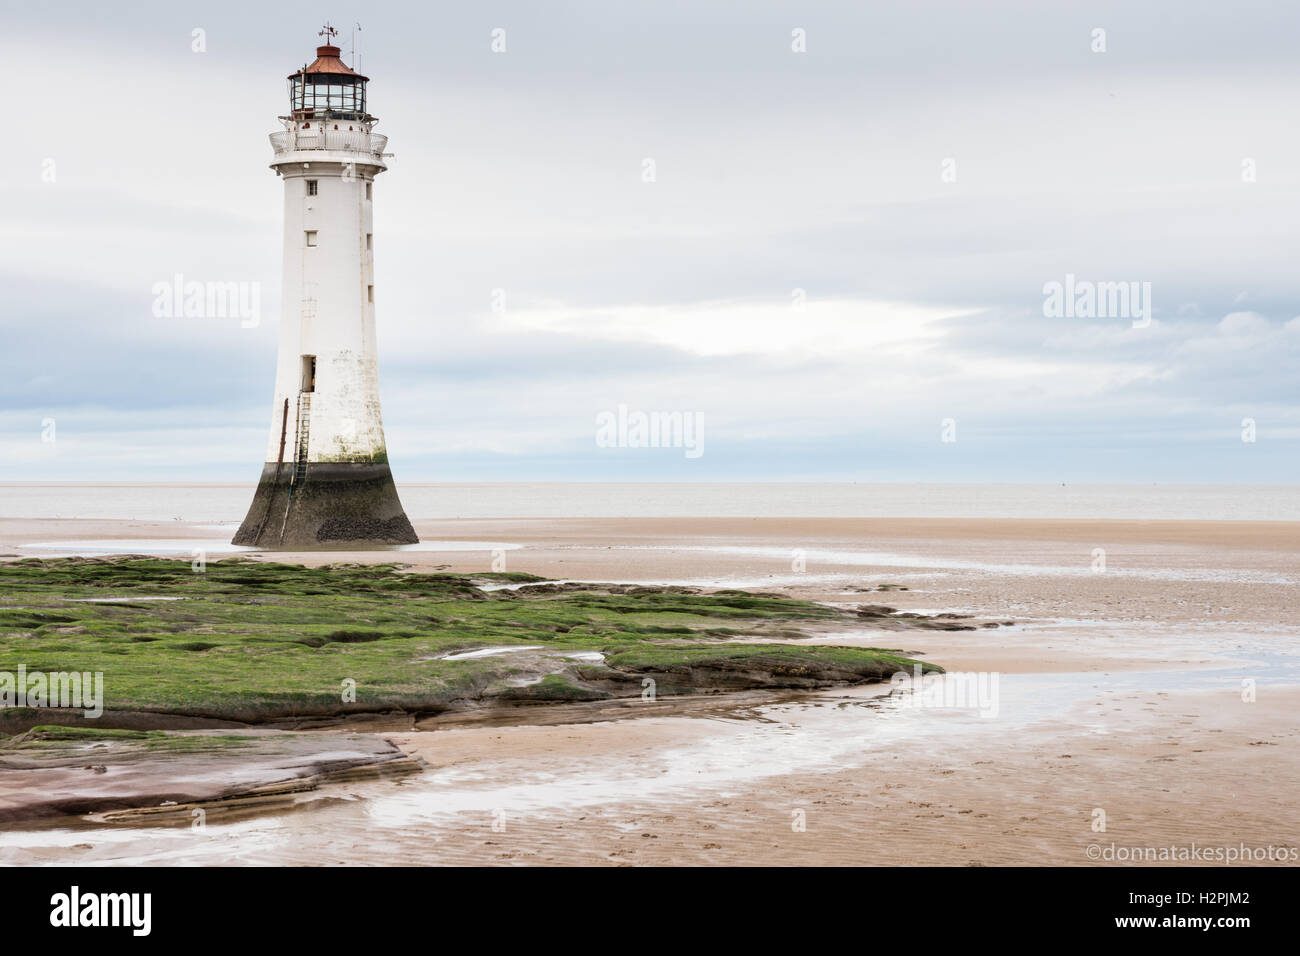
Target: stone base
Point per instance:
(335, 506)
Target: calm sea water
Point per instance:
(226, 503)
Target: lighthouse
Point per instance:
(325, 481)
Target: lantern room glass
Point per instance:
(329, 93)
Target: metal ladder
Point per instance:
(304, 433)
(300, 458)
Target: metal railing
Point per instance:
(347, 140)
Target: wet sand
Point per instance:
(1122, 691)
(1169, 770)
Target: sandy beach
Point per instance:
(1169, 769)
(1121, 691)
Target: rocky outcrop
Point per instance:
(160, 777)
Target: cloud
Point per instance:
(797, 327)
(775, 172)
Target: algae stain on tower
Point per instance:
(326, 481)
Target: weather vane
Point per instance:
(329, 33)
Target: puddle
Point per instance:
(488, 652)
(189, 546)
(885, 559)
(123, 600)
(516, 585)
(92, 548)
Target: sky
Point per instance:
(838, 268)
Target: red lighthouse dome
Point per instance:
(328, 88)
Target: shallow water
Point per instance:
(941, 562)
(489, 652)
(195, 546)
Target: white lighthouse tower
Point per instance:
(326, 481)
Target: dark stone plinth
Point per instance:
(335, 505)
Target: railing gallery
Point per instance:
(354, 140)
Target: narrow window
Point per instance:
(368, 190)
(308, 373)
(369, 241)
(311, 187)
(311, 237)
(370, 293)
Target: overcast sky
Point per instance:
(129, 159)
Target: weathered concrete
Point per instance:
(335, 505)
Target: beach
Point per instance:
(1147, 676)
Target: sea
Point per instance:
(226, 503)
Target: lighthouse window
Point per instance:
(311, 187)
(369, 240)
(367, 190)
(308, 373)
(327, 92)
(311, 237)
(370, 293)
